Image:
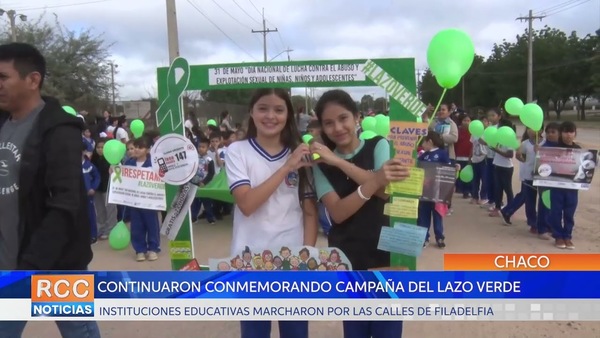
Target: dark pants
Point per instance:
(543, 226)
(563, 203)
(479, 186)
(372, 329)
(145, 230)
(262, 329)
(463, 187)
(490, 179)
(426, 213)
(503, 179)
(221, 209)
(208, 209)
(92, 216)
(526, 196)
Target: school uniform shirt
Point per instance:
(280, 220)
(213, 155)
(490, 152)
(206, 169)
(358, 235)
(435, 155)
(89, 144)
(479, 150)
(91, 176)
(502, 161)
(526, 168)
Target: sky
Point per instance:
(219, 31)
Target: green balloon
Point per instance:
(476, 128)
(489, 136)
(450, 47)
(367, 135)
(382, 126)
(369, 123)
(506, 136)
(119, 237)
(211, 122)
(532, 116)
(449, 77)
(137, 128)
(70, 110)
(546, 199)
(466, 174)
(513, 106)
(307, 138)
(114, 151)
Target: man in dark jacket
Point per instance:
(44, 223)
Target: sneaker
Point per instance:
(450, 211)
(94, 240)
(140, 257)
(569, 244)
(440, 243)
(560, 243)
(212, 221)
(152, 256)
(492, 208)
(533, 230)
(494, 213)
(425, 244)
(544, 236)
(103, 237)
(506, 218)
(483, 202)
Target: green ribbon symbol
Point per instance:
(117, 172)
(172, 106)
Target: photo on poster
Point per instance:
(301, 258)
(438, 184)
(565, 168)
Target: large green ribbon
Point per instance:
(117, 172)
(172, 106)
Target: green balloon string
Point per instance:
(117, 171)
(437, 106)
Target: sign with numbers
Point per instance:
(175, 159)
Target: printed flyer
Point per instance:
(137, 187)
(565, 168)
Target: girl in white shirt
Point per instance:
(503, 172)
(269, 180)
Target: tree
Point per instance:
(233, 96)
(78, 72)
(380, 104)
(585, 55)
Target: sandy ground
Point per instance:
(464, 233)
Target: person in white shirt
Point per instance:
(503, 172)
(118, 130)
(478, 162)
(275, 205)
(528, 194)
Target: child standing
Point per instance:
(88, 141)
(91, 179)
(551, 139)
(526, 155)
(493, 117)
(206, 172)
(463, 148)
(433, 145)
(106, 214)
(503, 172)
(564, 201)
(267, 175)
(145, 230)
(478, 162)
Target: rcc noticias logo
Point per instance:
(62, 295)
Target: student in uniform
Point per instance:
(269, 180)
(551, 139)
(351, 181)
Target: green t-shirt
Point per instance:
(382, 154)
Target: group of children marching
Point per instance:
(145, 224)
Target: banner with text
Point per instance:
(137, 187)
(405, 136)
(565, 168)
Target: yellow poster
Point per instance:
(405, 136)
(402, 207)
(413, 185)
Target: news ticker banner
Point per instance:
(298, 295)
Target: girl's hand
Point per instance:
(392, 171)
(296, 160)
(326, 155)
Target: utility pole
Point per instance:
(530, 19)
(288, 51)
(112, 81)
(12, 17)
(264, 32)
(172, 33)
